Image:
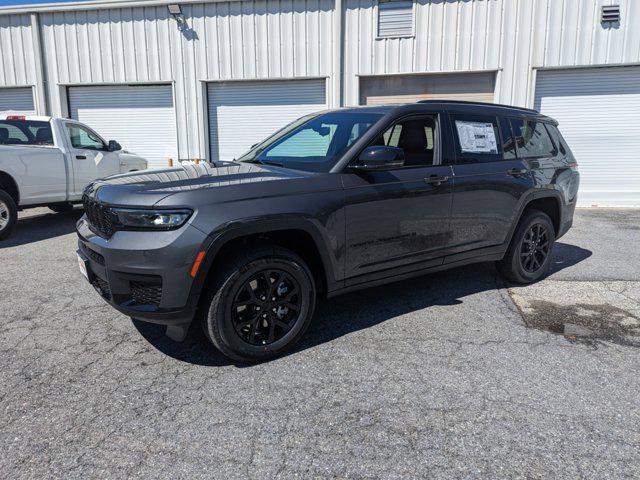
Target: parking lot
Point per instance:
(455, 374)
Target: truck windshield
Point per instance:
(312, 143)
(25, 132)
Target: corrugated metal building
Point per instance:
(214, 77)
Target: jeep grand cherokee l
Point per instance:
(335, 201)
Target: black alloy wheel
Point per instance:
(260, 303)
(528, 257)
(266, 306)
(534, 249)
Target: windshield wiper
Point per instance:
(263, 162)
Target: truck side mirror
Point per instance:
(113, 146)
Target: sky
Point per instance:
(5, 3)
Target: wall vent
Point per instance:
(611, 14)
(395, 18)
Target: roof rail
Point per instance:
(487, 104)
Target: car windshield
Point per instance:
(312, 143)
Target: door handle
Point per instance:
(436, 180)
(516, 172)
(123, 164)
(81, 157)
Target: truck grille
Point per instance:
(101, 219)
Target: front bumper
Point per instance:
(145, 275)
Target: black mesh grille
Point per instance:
(101, 219)
(146, 293)
(102, 287)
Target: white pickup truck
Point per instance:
(49, 161)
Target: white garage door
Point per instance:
(599, 114)
(244, 113)
(140, 118)
(16, 100)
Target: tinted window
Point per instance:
(313, 143)
(25, 132)
(416, 138)
(84, 138)
(557, 138)
(477, 138)
(532, 139)
(508, 143)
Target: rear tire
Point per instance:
(8, 214)
(528, 257)
(61, 207)
(259, 304)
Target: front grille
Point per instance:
(102, 287)
(101, 219)
(146, 293)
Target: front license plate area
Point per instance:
(85, 269)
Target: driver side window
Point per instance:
(84, 138)
(416, 137)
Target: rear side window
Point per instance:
(557, 138)
(477, 138)
(532, 139)
(25, 132)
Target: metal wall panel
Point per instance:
(220, 41)
(512, 36)
(16, 51)
(599, 114)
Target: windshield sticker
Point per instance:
(477, 137)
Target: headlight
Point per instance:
(151, 219)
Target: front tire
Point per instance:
(259, 304)
(8, 214)
(528, 257)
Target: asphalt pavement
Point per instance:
(451, 375)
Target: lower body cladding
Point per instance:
(144, 275)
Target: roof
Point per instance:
(94, 5)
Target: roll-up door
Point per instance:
(599, 114)
(16, 100)
(389, 89)
(140, 118)
(246, 112)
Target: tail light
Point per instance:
(573, 164)
(16, 117)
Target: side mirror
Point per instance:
(113, 146)
(379, 157)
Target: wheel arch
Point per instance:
(549, 202)
(9, 185)
(298, 235)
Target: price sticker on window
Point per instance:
(477, 137)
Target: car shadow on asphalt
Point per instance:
(364, 309)
(36, 228)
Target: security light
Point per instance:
(174, 9)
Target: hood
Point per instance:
(148, 187)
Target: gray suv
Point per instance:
(336, 201)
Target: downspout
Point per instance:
(338, 55)
(42, 107)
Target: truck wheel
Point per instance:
(61, 207)
(8, 214)
(529, 254)
(259, 304)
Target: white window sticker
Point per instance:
(477, 137)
